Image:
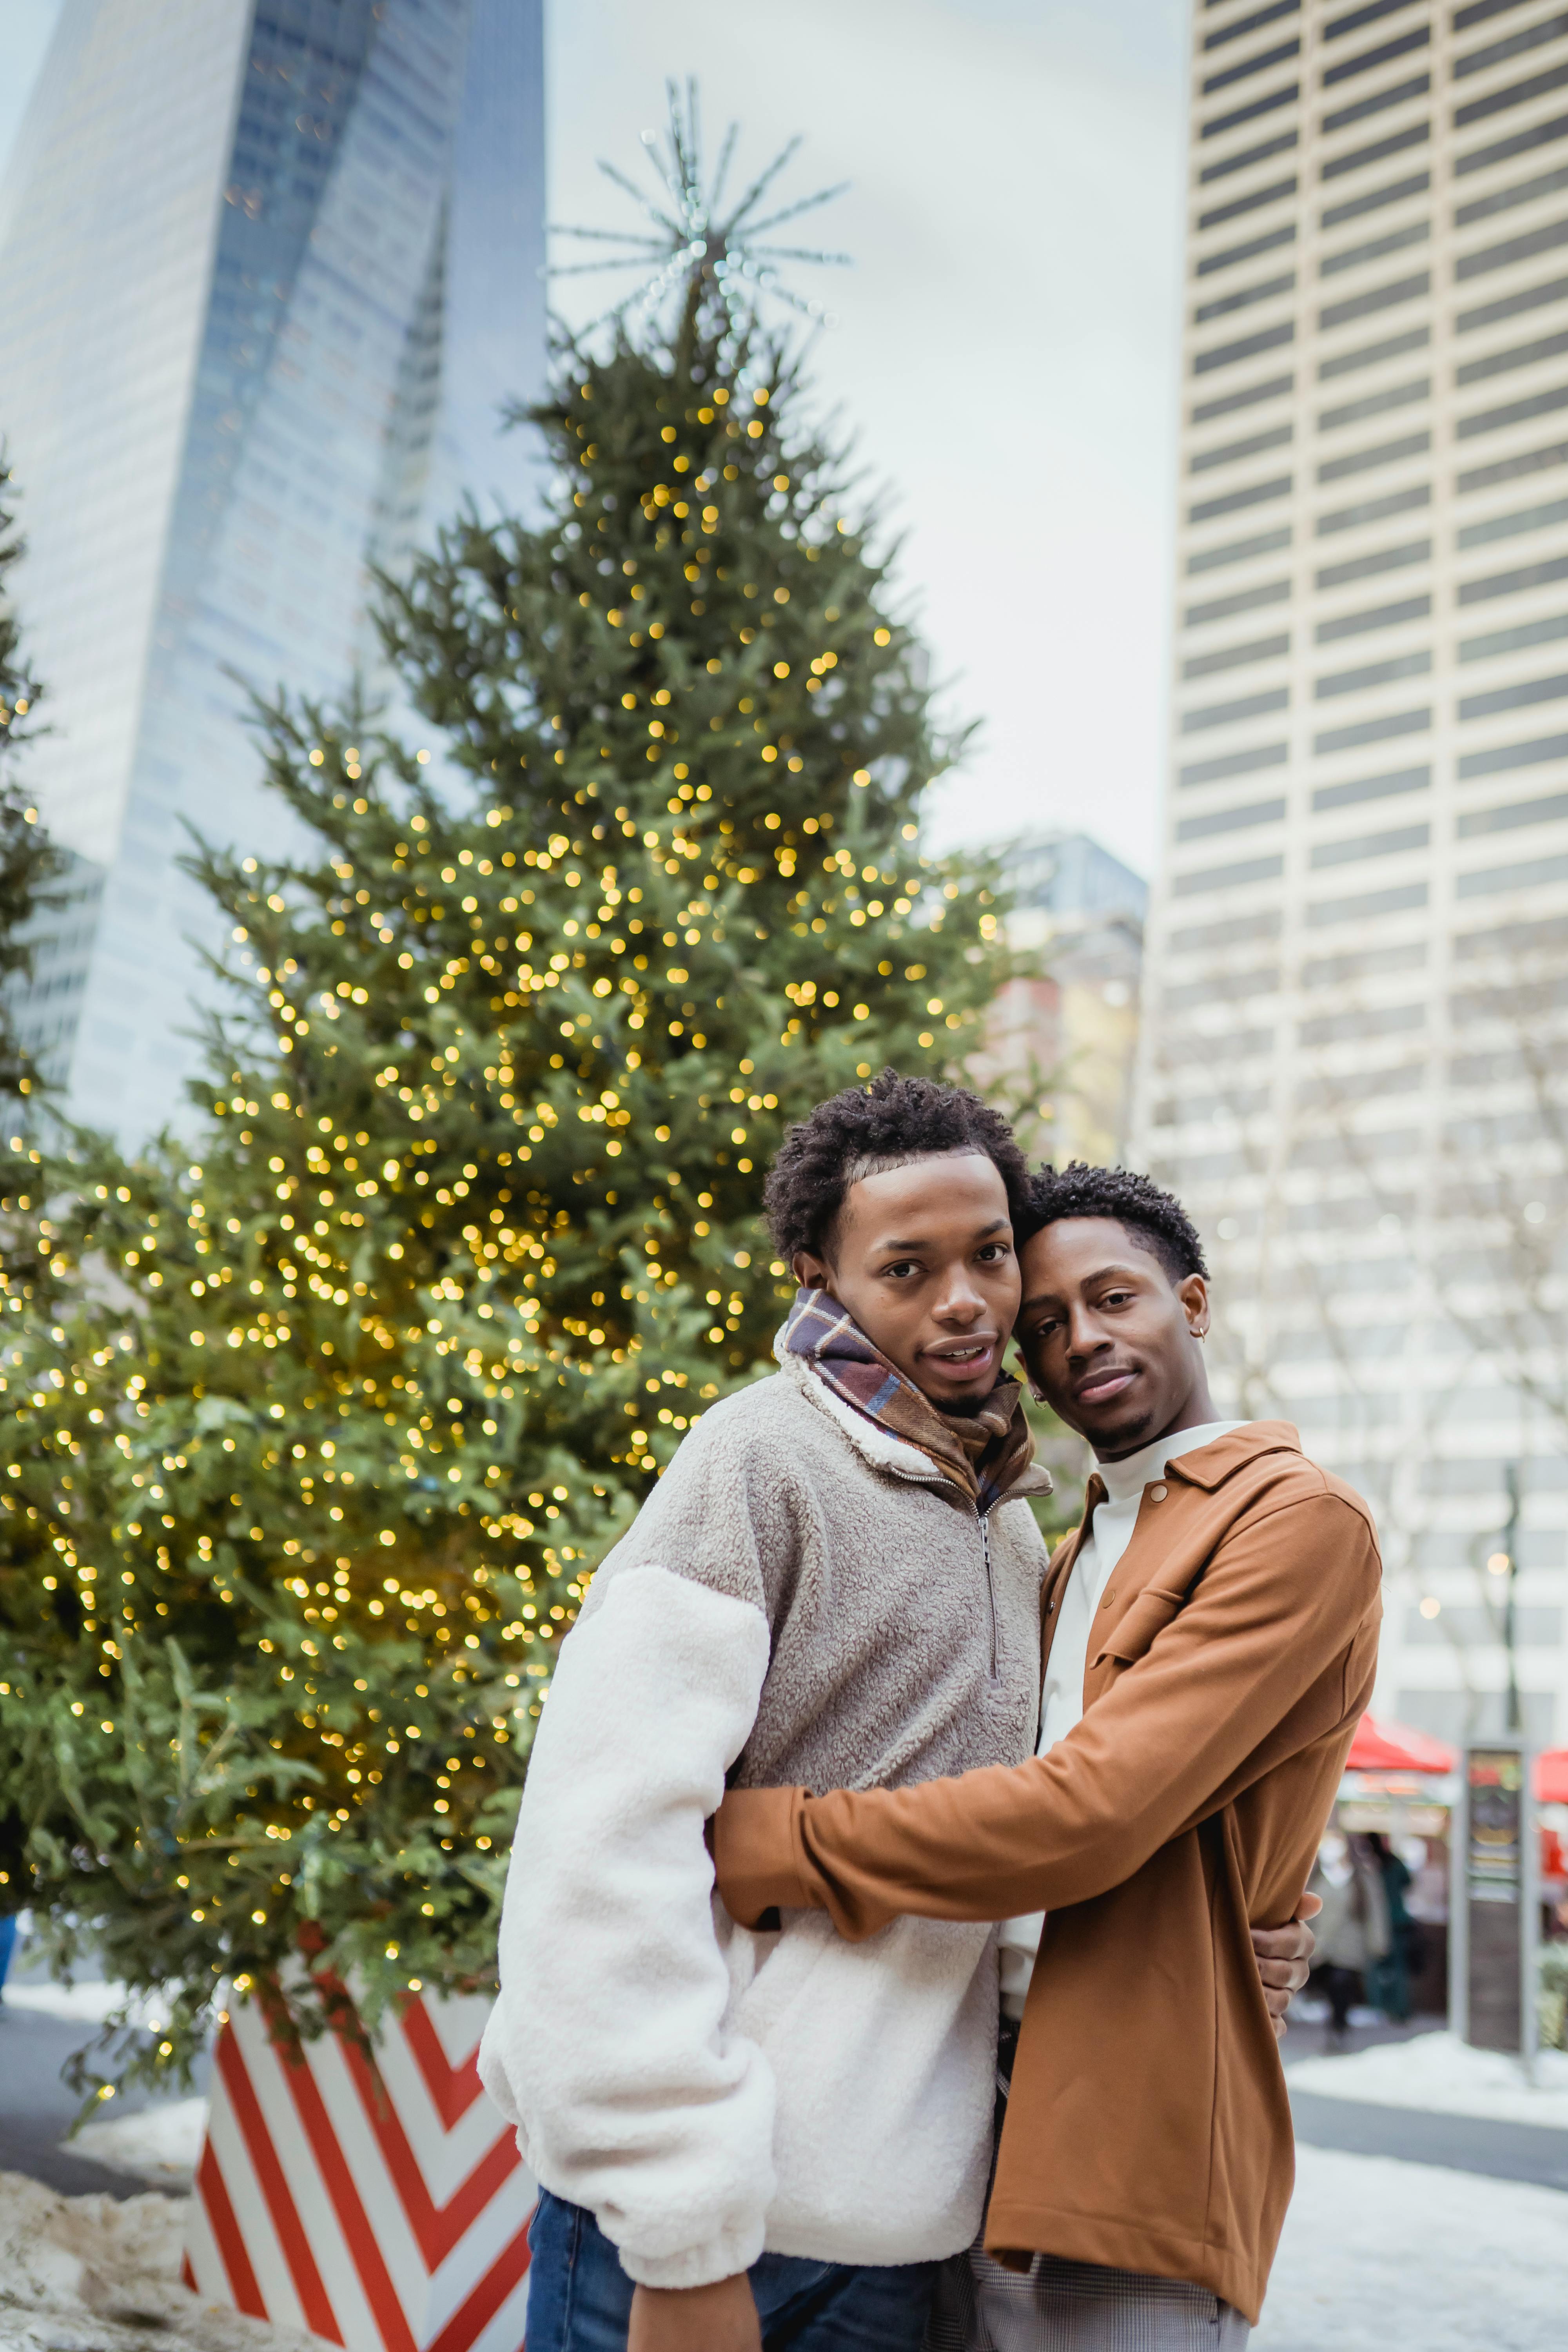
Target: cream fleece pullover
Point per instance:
(803, 1599)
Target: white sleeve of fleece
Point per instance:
(608, 2045)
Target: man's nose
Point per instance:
(961, 1300)
(1084, 1335)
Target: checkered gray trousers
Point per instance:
(1062, 2307)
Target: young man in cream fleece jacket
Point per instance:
(836, 1581)
(774, 2137)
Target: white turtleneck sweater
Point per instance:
(1062, 1698)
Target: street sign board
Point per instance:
(1492, 1946)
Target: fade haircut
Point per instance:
(868, 1129)
(1152, 1219)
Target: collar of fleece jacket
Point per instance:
(984, 1453)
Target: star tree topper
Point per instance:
(729, 258)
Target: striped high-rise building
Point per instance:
(268, 269)
(1355, 1056)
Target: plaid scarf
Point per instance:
(983, 1451)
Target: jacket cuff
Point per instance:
(758, 1858)
(736, 2248)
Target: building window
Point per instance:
(1509, 641)
(1356, 159)
(1550, 810)
(1274, 387)
(1254, 494)
(1376, 616)
(1272, 194)
(1403, 898)
(1371, 788)
(1218, 124)
(1509, 526)
(1401, 46)
(1210, 263)
(1416, 183)
(1243, 298)
(1278, 436)
(1231, 820)
(1522, 142)
(1383, 453)
(1397, 94)
(1545, 347)
(1252, 23)
(1366, 567)
(1363, 846)
(1352, 257)
(1237, 656)
(1246, 600)
(1239, 550)
(1509, 756)
(1414, 339)
(1373, 731)
(1233, 764)
(1513, 583)
(1518, 697)
(1228, 877)
(1382, 673)
(1375, 403)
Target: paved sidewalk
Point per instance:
(37, 2111)
(1500, 2151)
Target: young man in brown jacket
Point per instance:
(1210, 1638)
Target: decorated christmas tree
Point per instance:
(321, 1418)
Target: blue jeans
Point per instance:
(580, 2299)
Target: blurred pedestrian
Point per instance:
(1353, 1930)
(1388, 1978)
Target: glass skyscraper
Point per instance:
(269, 270)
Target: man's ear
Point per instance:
(1193, 1293)
(811, 1273)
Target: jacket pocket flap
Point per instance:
(1135, 1630)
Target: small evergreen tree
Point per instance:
(319, 1428)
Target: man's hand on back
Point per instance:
(718, 2319)
(1283, 1957)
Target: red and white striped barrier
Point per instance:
(381, 2205)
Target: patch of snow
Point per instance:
(1381, 2256)
(1439, 2072)
(160, 2144)
(94, 2274)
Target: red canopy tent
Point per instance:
(1395, 1747)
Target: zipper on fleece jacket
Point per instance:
(984, 1519)
(937, 1478)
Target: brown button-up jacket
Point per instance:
(1232, 1658)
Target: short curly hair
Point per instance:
(1155, 1220)
(867, 1129)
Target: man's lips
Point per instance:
(1101, 1386)
(963, 1355)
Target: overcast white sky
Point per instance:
(1005, 341)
